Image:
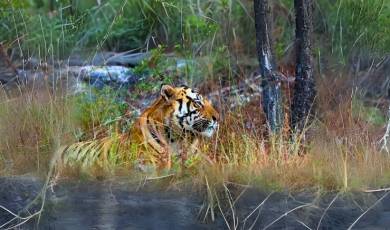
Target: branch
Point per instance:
(3, 53)
(286, 213)
(385, 138)
(327, 208)
(20, 220)
(372, 206)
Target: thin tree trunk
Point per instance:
(304, 91)
(386, 137)
(51, 5)
(271, 86)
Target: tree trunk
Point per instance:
(8, 70)
(304, 91)
(271, 86)
(51, 5)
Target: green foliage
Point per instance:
(150, 65)
(98, 110)
(155, 69)
(40, 36)
(199, 29)
(369, 114)
(55, 29)
(117, 25)
(16, 4)
(355, 25)
(284, 27)
(48, 29)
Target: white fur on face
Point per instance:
(186, 116)
(210, 130)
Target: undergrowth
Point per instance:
(30, 125)
(41, 29)
(209, 44)
(340, 150)
(214, 43)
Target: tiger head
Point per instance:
(190, 110)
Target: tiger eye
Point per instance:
(197, 104)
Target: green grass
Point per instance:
(198, 28)
(98, 111)
(115, 25)
(355, 26)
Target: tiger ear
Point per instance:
(167, 92)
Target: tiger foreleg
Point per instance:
(194, 147)
(191, 150)
(165, 158)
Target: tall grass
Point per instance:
(340, 151)
(120, 25)
(30, 125)
(201, 27)
(216, 35)
(355, 26)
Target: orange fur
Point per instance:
(149, 129)
(171, 125)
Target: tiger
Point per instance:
(175, 121)
(171, 125)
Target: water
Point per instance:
(122, 205)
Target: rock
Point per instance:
(99, 76)
(80, 60)
(108, 58)
(127, 59)
(184, 63)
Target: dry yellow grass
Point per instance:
(340, 151)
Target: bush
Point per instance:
(98, 111)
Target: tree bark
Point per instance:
(271, 97)
(304, 89)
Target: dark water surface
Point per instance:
(124, 205)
